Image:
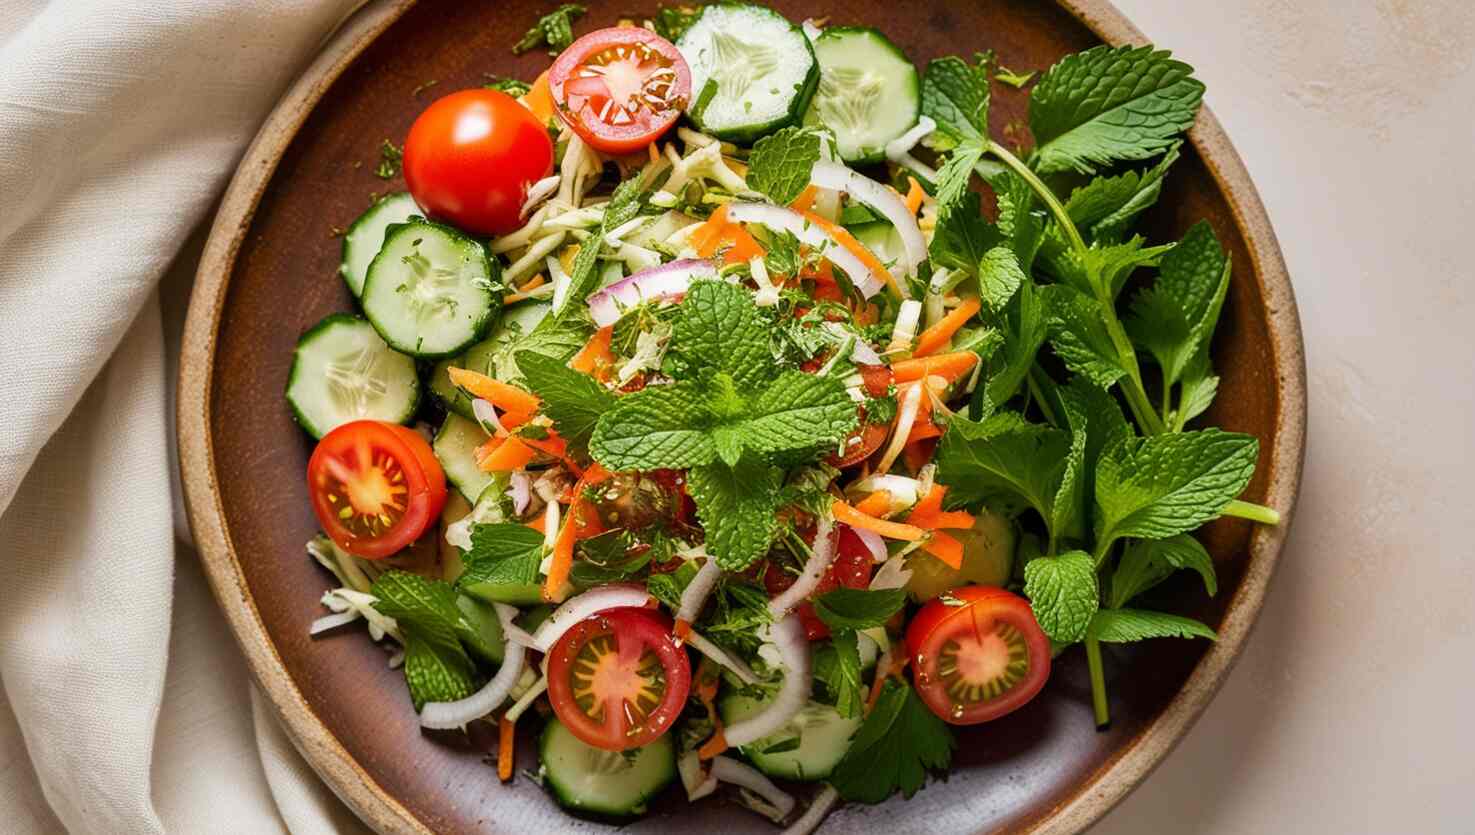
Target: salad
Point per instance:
(730, 407)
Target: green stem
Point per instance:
(1045, 193)
(1253, 512)
(1098, 683)
(1039, 395)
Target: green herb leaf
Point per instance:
(1004, 461)
(1025, 329)
(956, 173)
(799, 411)
(1109, 104)
(858, 608)
(1120, 626)
(1175, 318)
(837, 667)
(572, 399)
(1094, 412)
(609, 558)
(956, 96)
(737, 507)
(1147, 562)
(671, 22)
(668, 586)
(999, 276)
(434, 675)
(624, 205)
(501, 554)
(962, 235)
(437, 667)
(900, 741)
(1079, 336)
(1022, 227)
(656, 427)
(1112, 220)
(508, 85)
(1200, 386)
(1155, 487)
(1062, 592)
(554, 29)
(559, 338)
(390, 159)
(719, 326)
(780, 163)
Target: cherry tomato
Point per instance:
(618, 679)
(375, 487)
(979, 660)
(876, 378)
(471, 156)
(850, 569)
(620, 88)
(865, 440)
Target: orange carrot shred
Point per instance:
(843, 237)
(877, 504)
(946, 548)
(891, 530)
(510, 454)
(595, 354)
(948, 366)
(539, 99)
(503, 396)
(805, 200)
(938, 335)
(563, 561)
(914, 195)
(714, 745)
(928, 504)
(506, 735)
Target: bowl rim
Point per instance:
(1096, 795)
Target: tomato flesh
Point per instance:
(861, 444)
(977, 656)
(618, 679)
(620, 88)
(375, 487)
(850, 569)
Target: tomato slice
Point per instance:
(618, 679)
(850, 569)
(375, 487)
(979, 660)
(861, 444)
(620, 88)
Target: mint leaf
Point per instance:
(433, 628)
(1175, 318)
(1093, 408)
(737, 507)
(1120, 626)
(1026, 327)
(956, 173)
(1153, 488)
(1022, 227)
(502, 554)
(1079, 336)
(999, 276)
(1109, 104)
(858, 608)
(799, 411)
(962, 234)
(1147, 562)
(554, 29)
(1003, 461)
(1200, 386)
(899, 743)
(434, 675)
(551, 337)
(719, 326)
(956, 96)
(837, 667)
(668, 586)
(1113, 225)
(780, 163)
(572, 399)
(1062, 592)
(1157, 324)
(654, 428)
(1068, 508)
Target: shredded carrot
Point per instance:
(682, 629)
(947, 366)
(843, 237)
(805, 200)
(655, 155)
(533, 283)
(923, 429)
(928, 504)
(506, 735)
(581, 522)
(720, 233)
(512, 420)
(705, 681)
(509, 454)
(595, 357)
(538, 523)
(914, 195)
(928, 513)
(877, 504)
(946, 548)
(938, 335)
(539, 99)
(891, 530)
(499, 394)
(713, 746)
(563, 561)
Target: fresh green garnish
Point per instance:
(503, 553)
(1004, 75)
(573, 400)
(858, 608)
(671, 22)
(899, 743)
(437, 667)
(555, 30)
(837, 668)
(511, 86)
(780, 163)
(390, 158)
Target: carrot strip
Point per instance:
(510, 454)
(717, 231)
(539, 99)
(512, 420)
(891, 530)
(682, 629)
(538, 523)
(897, 664)
(556, 447)
(715, 745)
(705, 685)
(533, 283)
(938, 335)
(805, 201)
(843, 237)
(595, 356)
(928, 505)
(946, 548)
(496, 392)
(914, 195)
(655, 155)
(948, 366)
(877, 504)
(563, 561)
(506, 735)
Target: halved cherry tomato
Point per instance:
(868, 438)
(620, 88)
(618, 679)
(979, 660)
(850, 569)
(375, 487)
(471, 156)
(876, 378)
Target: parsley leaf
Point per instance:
(737, 506)
(1108, 104)
(554, 29)
(1147, 562)
(503, 553)
(720, 327)
(671, 22)
(437, 667)
(780, 163)
(900, 741)
(511, 86)
(956, 96)
(572, 399)
(1126, 625)
(858, 608)
(390, 159)
(1062, 592)
(656, 427)
(837, 667)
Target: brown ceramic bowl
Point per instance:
(268, 273)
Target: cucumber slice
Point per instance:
(868, 92)
(343, 371)
(366, 235)
(882, 239)
(761, 68)
(823, 738)
(588, 779)
(430, 290)
(490, 356)
(454, 448)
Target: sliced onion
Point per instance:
(520, 489)
(904, 491)
(729, 770)
(699, 642)
(814, 570)
(694, 597)
(333, 621)
(893, 574)
(815, 814)
(793, 647)
(663, 282)
(874, 544)
(911, 403)
(538, 192)
(880, 198)
(448, 715)
(899, 149)
(783, 219)
(517, 635)
(697, 781)
(864, 354)
(526, 699)
(581, 606)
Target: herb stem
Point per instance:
(1045, 193)
(1098, 683)
(1253, 512)
(1039, 395)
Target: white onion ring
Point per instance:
(581, 606)
(911, 403)
(874, 544)
(449, 715)
(694, 597)
(793, 647)
(815, 814)
(538, 192)
(814, 570)
(333, 621)
(729, 770)
(663, 282)
(893, 574)
(697, 781)
(864, 354)
(699, 642)
(783, 219)
(877, 196)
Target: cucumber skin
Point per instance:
(481, 327)
(326, 322)
(348, 240)
(797, 106)
(916, 78)
(565, 799)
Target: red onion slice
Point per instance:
(782, 219)
(793, 647)
(449, 715)
(814, 570)
(581, 606)
(663, 282)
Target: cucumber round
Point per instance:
(343, 371)
(366, 235)
(823, 738)
(491, 356)
(454, 448)
(430, 291)
(868, 94)
(588, 779)
(762, 68)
